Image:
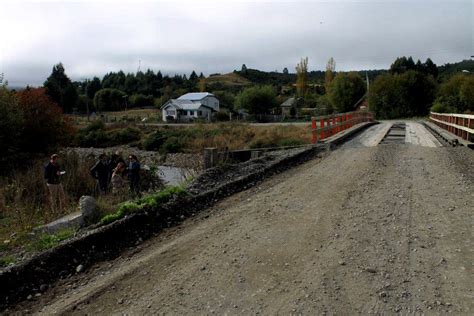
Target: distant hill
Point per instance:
(447, 70)
(279, 78)
(227, 80)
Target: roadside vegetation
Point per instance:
(33, 124)
(193, 138)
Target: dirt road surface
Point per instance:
(365, 229)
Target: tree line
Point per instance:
(408, 88)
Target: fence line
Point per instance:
(330, 125)
(461, 125)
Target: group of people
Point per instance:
(115, 173)
(110, 174)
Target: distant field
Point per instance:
(135, 115)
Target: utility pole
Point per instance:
(86, 85)
(367, 79)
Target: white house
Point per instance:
(190, 106)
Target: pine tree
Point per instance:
(60, 88)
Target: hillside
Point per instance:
(448, 70)
(228, 80)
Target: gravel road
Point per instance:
(365, 229)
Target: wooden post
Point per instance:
(210, 157)
(314, 132)
(321, 126)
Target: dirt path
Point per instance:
(364, 230)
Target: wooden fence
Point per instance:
(461, 125)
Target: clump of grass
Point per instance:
(6, 261)
(149, 202)
(46, 241)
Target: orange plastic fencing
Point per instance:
(330, 125)
(461, 125)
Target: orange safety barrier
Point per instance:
(330, 125)
(461, 125)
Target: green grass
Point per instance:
(47, 241)
(148, 202)
(6, 261)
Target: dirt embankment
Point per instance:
(365, 230)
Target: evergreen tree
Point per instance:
(60, 88)
(431, 68)
(193, 76)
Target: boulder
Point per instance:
(89, 210)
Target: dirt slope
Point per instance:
(364, 230)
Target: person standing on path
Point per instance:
(101, 172)
(134, 174)
(52, 175)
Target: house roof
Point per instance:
(185, 105)
(195, 96)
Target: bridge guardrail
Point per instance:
(461, 125)
(325, 126)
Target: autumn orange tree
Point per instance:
(11, 128)
(44, 126)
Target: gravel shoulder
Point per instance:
(363, 230)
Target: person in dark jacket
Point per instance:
(101, 172)
(134, 174)
(52, 175)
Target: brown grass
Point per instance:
(235, 136)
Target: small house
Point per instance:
(190, 106)
(290, 103)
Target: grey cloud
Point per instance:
(92, 39)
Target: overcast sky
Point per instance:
(92, 38)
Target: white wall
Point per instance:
(164, 113)
(212, 102)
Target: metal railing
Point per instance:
(326, 126)
(461, 125)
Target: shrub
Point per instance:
(141, 100)
(95, 135)
(173, 145)
(257, 100)
(11, 127)
(154, 141)
(109, 100)
(124, 136)
(457, 94)
(222, 116)
(439, 107)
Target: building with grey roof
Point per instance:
(190, 106)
